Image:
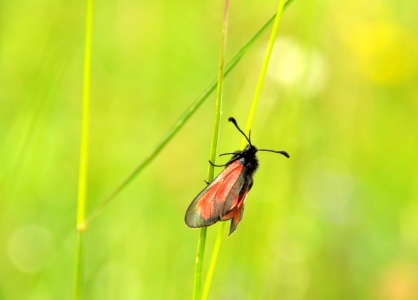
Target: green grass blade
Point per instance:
(263, 70)
(78, 275)
(213, 150)
(213, 260)
(218, 108)
(199, 263)
(179, 124)
(82, 178)
(249, 123)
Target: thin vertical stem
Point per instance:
(263, 70)
(82, 178)
(213, 260)
(199, 263)
(78, 265)
(218, 109)
(249, 123)
(213, 150)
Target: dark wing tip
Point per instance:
(194, 218)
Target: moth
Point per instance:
(223, 199)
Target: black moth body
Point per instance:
(223, 199)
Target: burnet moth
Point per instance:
(223, 199)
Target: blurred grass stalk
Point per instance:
(82, 177)
(244, 141)
(213, 150)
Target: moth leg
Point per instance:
(206, 182)
(232, 153)
(216, 165)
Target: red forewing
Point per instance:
(224, 198)
(237, 212)
(221, 199)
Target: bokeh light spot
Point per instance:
(292, 65)
(387, 53)
(31, 248)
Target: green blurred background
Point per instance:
(338, 220)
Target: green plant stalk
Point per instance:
(213, 150)
(179, 123)
(213, 260)
(82, 178)
(263, 70)
(244, 141)
(78, 265)
(199, 263)
(218, 108)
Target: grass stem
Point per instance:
(213, 260)
(213, 150)
(249, 123)
(82, 178)
(199, 263)
(263, 70)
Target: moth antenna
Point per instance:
(276, 151)
(231, 119)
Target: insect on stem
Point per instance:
(223, 198)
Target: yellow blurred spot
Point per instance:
(398, 282)
(386, 53)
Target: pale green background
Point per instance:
(338, 220)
